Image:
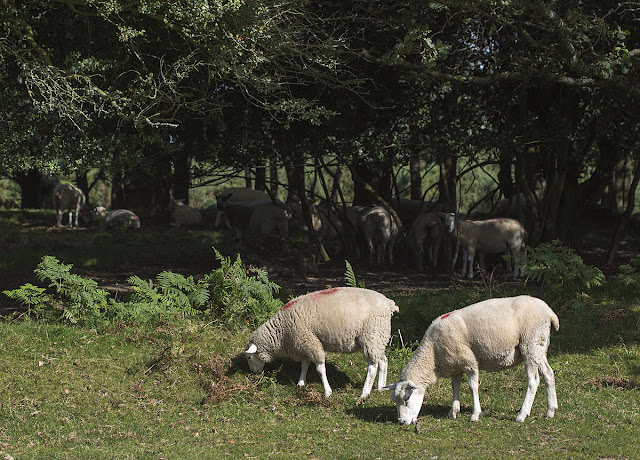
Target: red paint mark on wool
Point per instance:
(444, 316)
(290, 304)
(314, 296)
(318, 294)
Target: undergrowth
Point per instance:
(229, 294)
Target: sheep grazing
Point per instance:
(240, 194)
(342, 320)
(258, 216)
(427, 228)
(380, 232)
(182, 214)
(68, 197)
(118, 218)
(493, 236)
(492, 335)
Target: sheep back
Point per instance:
(267, 219)
(122, 218)
(333, 320)
(186, 215)
(490, 236)
(486, 335)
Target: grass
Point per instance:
(163, 392)
(27, 235)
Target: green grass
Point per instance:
(176, 390)
(27, 235)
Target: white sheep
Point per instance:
(240, 216)
(118, 218)
(269, 218)
(426, 228)
(409, 209)
(342, 319)
(493, 236)
(68, 197)
(379, 231)
(240, 194)
(183, 214)
(492, 335)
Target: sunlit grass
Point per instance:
(177, 390)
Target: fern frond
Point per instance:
(350, 276)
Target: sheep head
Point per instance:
(408, 397)
(255, 363)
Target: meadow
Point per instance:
(182, 387)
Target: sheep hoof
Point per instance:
(520, 418)
(474, 417)
(551, 413)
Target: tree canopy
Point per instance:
(547, 92)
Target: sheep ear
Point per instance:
(252, 348)
(390, 387)
(411, 385)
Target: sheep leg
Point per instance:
(58, 217)
(473, 378)
(322, 371)
(70, 219)
(470, 256)
(436, 252)
(419, 256)
(456, 380)
(533, 379)
(547, 374)
(382, 373)
(303, 372)
(465, 258)
(372, 368)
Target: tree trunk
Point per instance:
(415, 176)
(31, 194)
(143, 188)
(273, 174)
(261, 177)
(631, 203)
(377, 176)
(182, 174)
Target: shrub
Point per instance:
(75, 299)
(239, 299)
(229, 292)
(560, 269)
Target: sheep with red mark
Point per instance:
(341, 320)
(68, 197)
(492, 335)
(493, 236)
(118, 218)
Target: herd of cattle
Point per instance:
(371, 231)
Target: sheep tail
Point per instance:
(554, 321)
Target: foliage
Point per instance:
(629, 273)
(174, 296)
(350, 276)
(559, 269)
(76, 299)
(239, 299)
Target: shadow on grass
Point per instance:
(287, 372)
